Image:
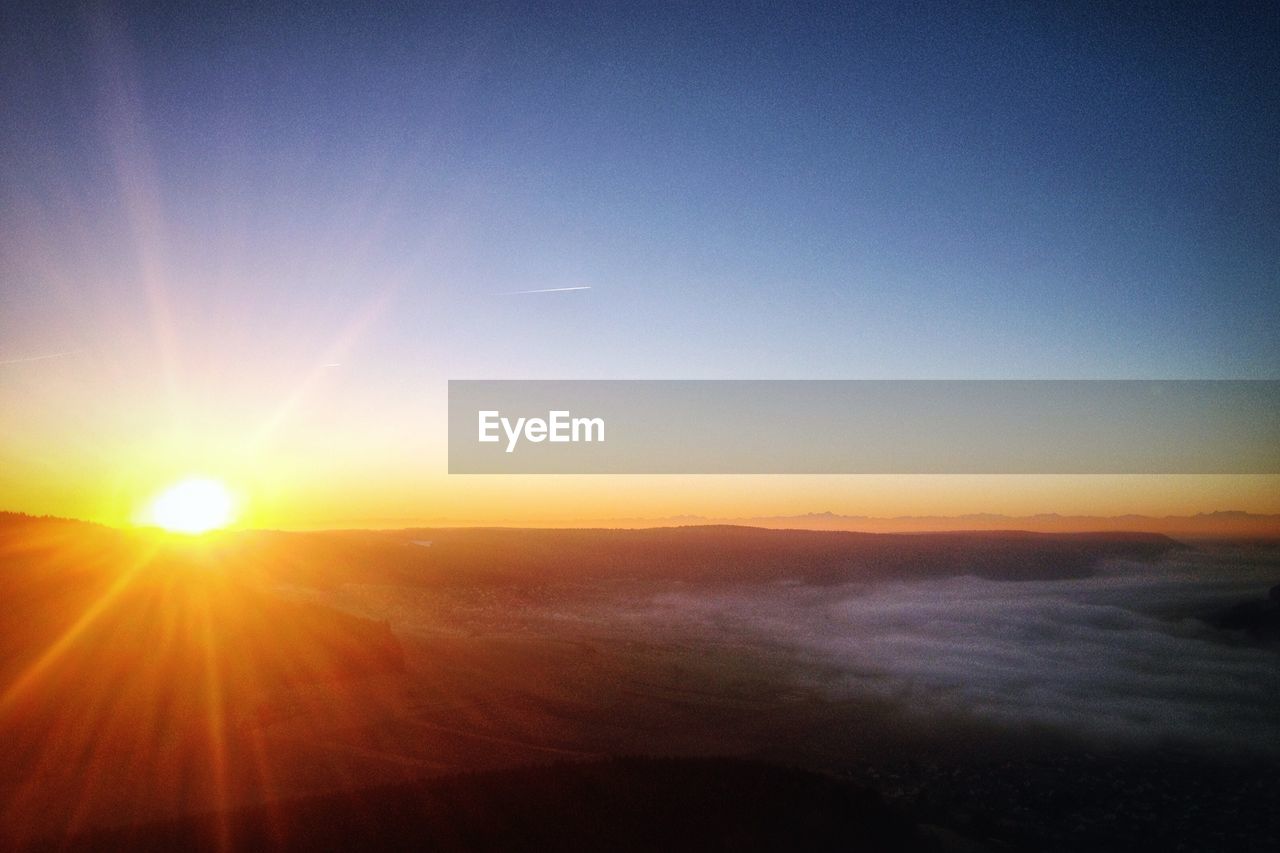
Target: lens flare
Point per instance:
(196, 505)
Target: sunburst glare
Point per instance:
(195, 505)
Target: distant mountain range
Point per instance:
(1227, 523)
(1222, 524)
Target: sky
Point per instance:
(255, 241)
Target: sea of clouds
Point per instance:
(1121, 655)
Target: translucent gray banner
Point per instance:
(864, 427)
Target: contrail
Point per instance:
(40, 357)
(546, 290)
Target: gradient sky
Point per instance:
(256, 243)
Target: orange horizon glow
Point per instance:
(915, 502)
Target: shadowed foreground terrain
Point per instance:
(621, 804)
(981, 691)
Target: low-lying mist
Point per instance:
(1120, 655)
(826, 649)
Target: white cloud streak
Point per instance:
(46, 357)
(546, 290)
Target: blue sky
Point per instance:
(213, 202)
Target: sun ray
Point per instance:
(68, 638)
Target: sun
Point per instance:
(195, 505)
